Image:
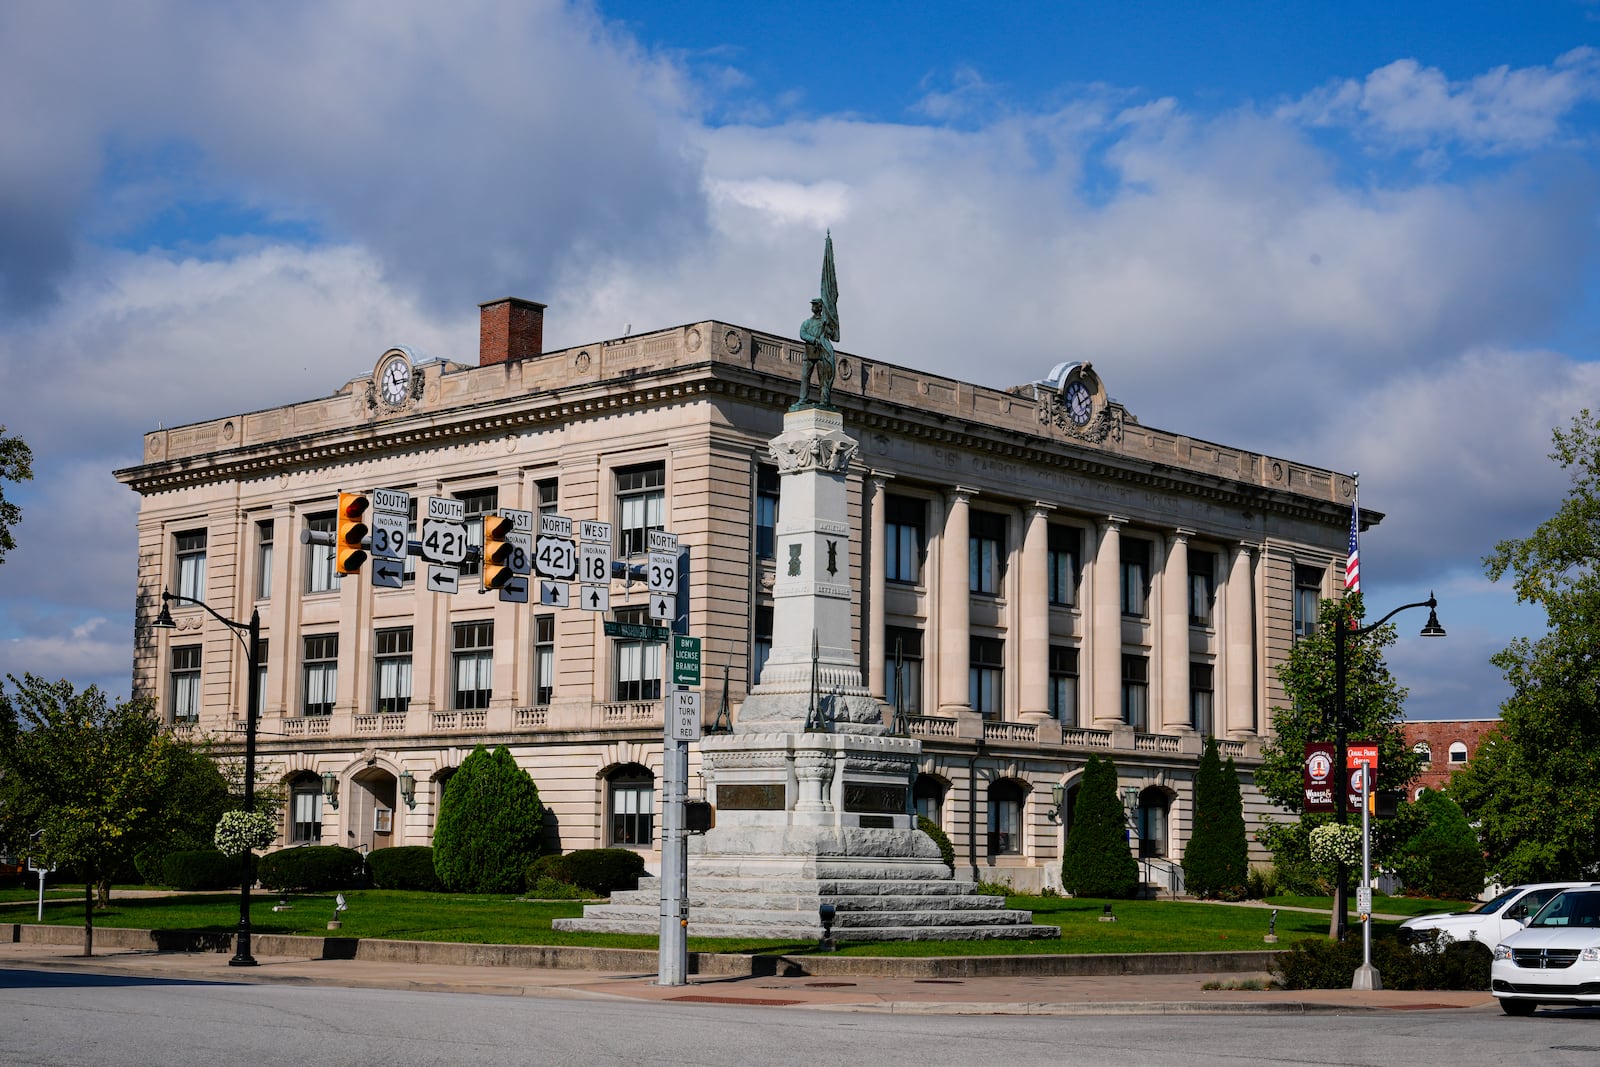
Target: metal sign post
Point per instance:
(1366, 976)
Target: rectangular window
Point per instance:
(261, 677)
(638, 663)
(905, 534)
(549, 491)
(986, 553)
(321, 665)
(633, 812)
(477, 503)
(1202, 587)
(544, 658)
(1307, 600)
(322, 574)
(1136, 691)
(186, 683)
(1064, 684)
(1135, 577)
(305, 817)
(191, 546)
(1064, 545)
(264, 532)
(473, 664)
(766, 512)
(986, 675)
(1201, 699)
(641, 505)
(392, 660)
(906, 683)
(762, 649)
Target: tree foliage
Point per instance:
(1440, 857)
(1533, 787)
(90, 777)
(16, 465)
(490, 827)
(1216, 860)
(1097, 861)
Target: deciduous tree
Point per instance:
(16, 465)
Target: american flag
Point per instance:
(1352, 565)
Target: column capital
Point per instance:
(1040, 507)
(964, 492)
(879, 478)
(1181, 533)
(1114, 522)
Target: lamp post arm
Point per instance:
(240, 629)
(1431, 603)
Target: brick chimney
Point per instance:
(509, 329)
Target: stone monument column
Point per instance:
(1171, 713)
(955, 596)
(1107, 624)
(1034, 620)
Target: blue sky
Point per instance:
(1361, 236)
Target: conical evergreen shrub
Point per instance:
(490, 825)
(1098, 862)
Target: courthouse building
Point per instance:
(1036, 577)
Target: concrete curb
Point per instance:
(1077, 965)
(1112, 1007)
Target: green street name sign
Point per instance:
(637, 631)
(685, 660)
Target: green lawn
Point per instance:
(32, 892)
(1141, 926)
(1407, 906)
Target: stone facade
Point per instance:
(1058, 579)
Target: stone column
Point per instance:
(878, 588)
(1171, 711)
(1034, 619)
(1106, 700)
(955, 596)
(1237, 684)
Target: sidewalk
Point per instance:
(1120, 994)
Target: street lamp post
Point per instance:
(1341, 635)
(250, 634)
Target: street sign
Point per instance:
(522, 554)
(393, 501)
(660, 541)
(636, 630)
(1364, 901)
(515, 591)
(554, 525)
(662, 572)
(388, 535)
(594, 597)
(685, 660)
(555, 594)
(661, 608)
(444, 540)
(442, 579)
(521, 521)
(447, 508)
(683, 716)
(554, 557)
(589, 530)
(594, 562)
(388, 573)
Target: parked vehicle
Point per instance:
(1490, 922)
(1555, 959)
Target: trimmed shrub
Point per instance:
(490, 826)
(404, 867)
(1316, 963)
(1098, 861)
(1216, 860)
(597, 870)
(200, 869)
(947, 851)
(551, 889)
(312, 868)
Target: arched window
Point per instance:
(631, 795)
(929, 796)
(1005, 817)
(1425, 751)
(1458, 752)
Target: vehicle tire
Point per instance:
(1512, 1006)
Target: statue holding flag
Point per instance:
(819, 332)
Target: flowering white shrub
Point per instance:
(1332, 843)
(239, 832)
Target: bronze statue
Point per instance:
(819, 332)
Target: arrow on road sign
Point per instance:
(387, 573)
(442, 579)
(515, 591)
(595, 598)
(555, 594)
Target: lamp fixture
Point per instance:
(1058, 796)
(408, 789)
(330, 789)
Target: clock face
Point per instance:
(1080, 405)
(395, 381)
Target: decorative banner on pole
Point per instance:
(1318, 777)
(1357, 757)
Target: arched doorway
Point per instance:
(373, 821)
(1153, 817)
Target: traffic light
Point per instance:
(699, 816)
(349, 553)
(497, 551)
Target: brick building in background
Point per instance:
(1446, 746)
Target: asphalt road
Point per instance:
(61, 1018)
